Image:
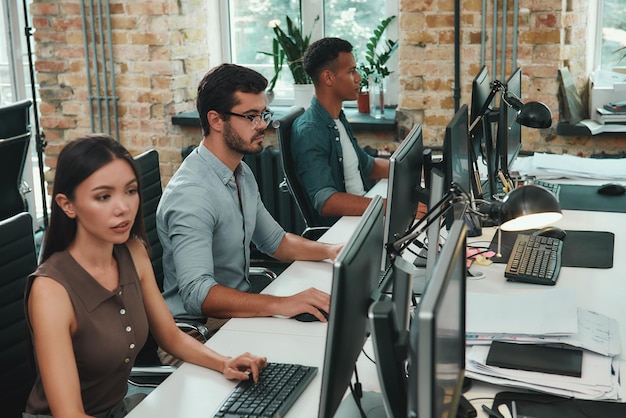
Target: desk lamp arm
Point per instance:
(454, 195)
(496, 86)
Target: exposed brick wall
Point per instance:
(549, 37)
(161, 50)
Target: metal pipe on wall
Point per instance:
(457, 54)
(101, 95)
(105, 87)
(113, 96)
(87, 64)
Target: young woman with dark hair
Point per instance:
(94, 297)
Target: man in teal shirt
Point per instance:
(333, 169)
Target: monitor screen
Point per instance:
(357, 266)
(481, 88)
(481, 142)
(405, 177)
(509, 140)
(456, 151)
(436, 357)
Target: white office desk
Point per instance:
(599, 290)
(193, 391)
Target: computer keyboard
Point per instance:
(534, 259)
(555, 188)
(279, 386)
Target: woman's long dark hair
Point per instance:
(77, 161)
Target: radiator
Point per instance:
(268, 170)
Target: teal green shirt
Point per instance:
(318, 156)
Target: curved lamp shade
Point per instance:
(528, 207)
(535, 115)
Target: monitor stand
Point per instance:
(371, 402)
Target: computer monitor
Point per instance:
(481, 89)
(436, 355)
(437, 190)
(355, 269)
(456, 151)
(405, 177)
(509, 139)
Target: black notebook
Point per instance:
(563, 360)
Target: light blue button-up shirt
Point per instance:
(206, 232)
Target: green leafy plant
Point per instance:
(290, 47)
(377, 54)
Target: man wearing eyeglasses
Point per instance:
(211, 212)
(333, 169)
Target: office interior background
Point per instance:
(128, 67)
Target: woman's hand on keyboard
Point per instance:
(244, 365)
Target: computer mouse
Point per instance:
(308, 317)
(551, 232)
(612, 189)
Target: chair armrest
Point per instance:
(149, 376)
(262, 271)
(314, 232)
(186, 325)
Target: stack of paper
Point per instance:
(553, 166)
(543, 317)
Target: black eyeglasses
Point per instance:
(255, 120)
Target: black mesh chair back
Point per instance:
(151, 190)
(18, 259)
(313, 229)
(14, 140)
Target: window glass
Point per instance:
(251, 33)
(613, 34)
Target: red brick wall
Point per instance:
(549, 38)
(160, 53)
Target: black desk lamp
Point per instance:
(532, 114)
(526, 207)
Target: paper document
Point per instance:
(596, 332)
(541, 312)
(551, 166)
(598, 381)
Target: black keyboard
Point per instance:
(278, 388)
(554, 188)
(535, 260)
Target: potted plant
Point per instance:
(374, 70)
(290, 47)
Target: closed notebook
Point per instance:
(536, 358)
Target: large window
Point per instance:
(15, 86)
(251, 21)
(611, 35)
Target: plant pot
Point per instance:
(363, 102)
(303, 94)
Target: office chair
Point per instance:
(148, 370)
(18, 259)
(292, 181)
(14, 140)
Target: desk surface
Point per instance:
(194, 391)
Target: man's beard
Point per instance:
(236, 143)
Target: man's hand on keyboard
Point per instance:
(244, 366)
